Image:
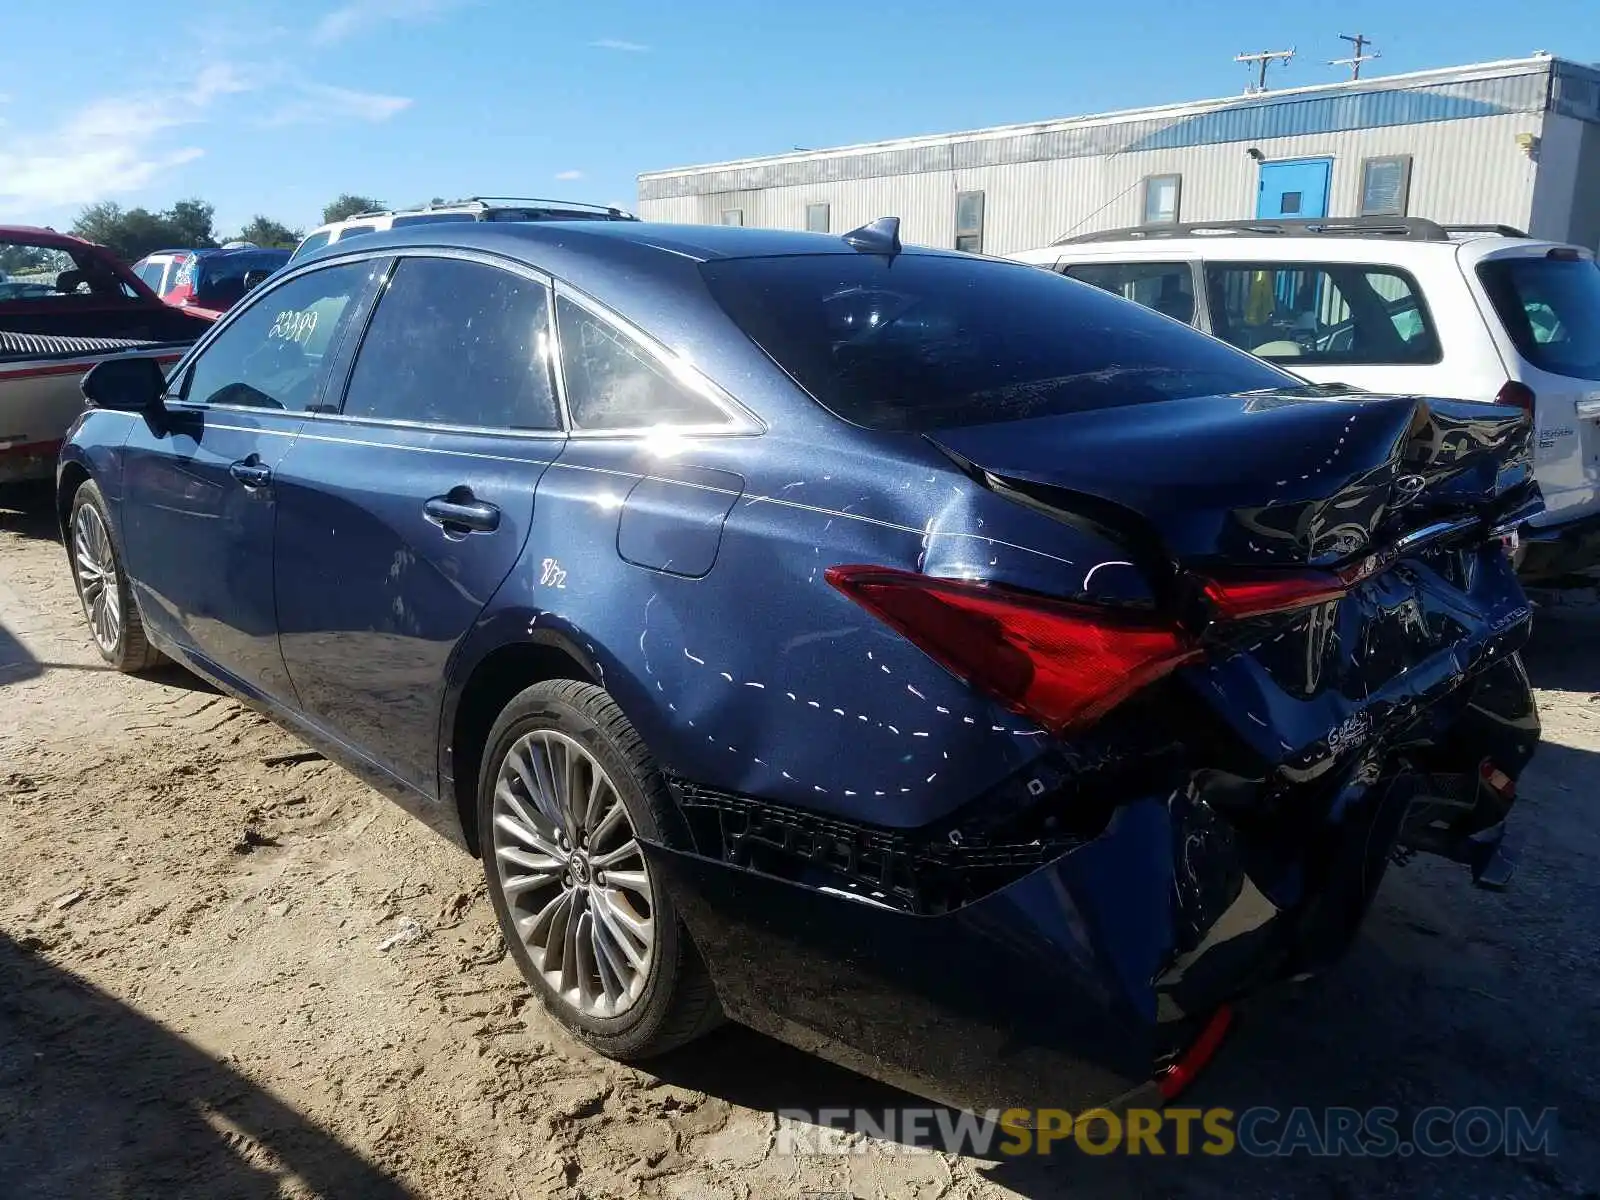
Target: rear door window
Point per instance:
(923, 341)
(275, 353)
(1166, 287)
(1308, 314)
(457, 343)
(1551, 310)
(613, 382)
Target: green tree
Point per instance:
(134, 232)
(191, 220)
(348, 205)
(264, 231)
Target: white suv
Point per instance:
(1396, 305)
(475, 208)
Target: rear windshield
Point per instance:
(221, 277)
(922, 342)
(1551, 309)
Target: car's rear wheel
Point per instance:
(566, 792)
(103, 585)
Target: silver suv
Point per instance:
(474, 208)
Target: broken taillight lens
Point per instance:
(1062, 665)
(1516, 395)
(1259, 596)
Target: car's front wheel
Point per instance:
(103, 586)
(566, 792)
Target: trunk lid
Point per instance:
(1282, 479)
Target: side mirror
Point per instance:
(254, 279)
(127, 383)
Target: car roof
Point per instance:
(1471, 243)
(542, 243)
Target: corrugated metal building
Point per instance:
(1515, 143)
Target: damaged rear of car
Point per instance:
(1261, 638)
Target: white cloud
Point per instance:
(117, 144)
(360, 15)
(619, 44)
(110, 145)
(566, 176)
(323, 104)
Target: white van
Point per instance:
(1396, 305)
(474, 208)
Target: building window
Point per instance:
(1386, 186)
(817, 218)
(969, 222)
(733, 216)
(1161, 194)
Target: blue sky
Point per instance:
(278, 107)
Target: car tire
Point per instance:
(102, 585)
(668, 1000)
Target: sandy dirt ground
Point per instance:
(229, 969)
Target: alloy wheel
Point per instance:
(96, 566)
(572, 874)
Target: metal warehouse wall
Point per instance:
(1567, 202)
(1042, 180)
(1466, 171)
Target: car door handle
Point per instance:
(459, 511)
(251, 472)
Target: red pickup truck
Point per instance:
(65, 304)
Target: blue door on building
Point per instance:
(1297, 188)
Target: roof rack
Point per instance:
(1498, 230)
(486, 203)
(1411, 229)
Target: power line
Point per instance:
(1359, 41)
(1260, 62)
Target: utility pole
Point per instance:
(1359, 41)
(1260, 63)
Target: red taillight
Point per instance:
(1182, 1073)
(1062, 665)
(1235, 599)
(1516, 395)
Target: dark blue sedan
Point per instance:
(948, 667)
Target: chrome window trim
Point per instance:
(741, 422)
(547, 435)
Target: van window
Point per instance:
(315, 242)
(920, 342)
(1551, 309)
(1166, 287)
(1308, 314)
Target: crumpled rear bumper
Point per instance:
(1081, 982)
